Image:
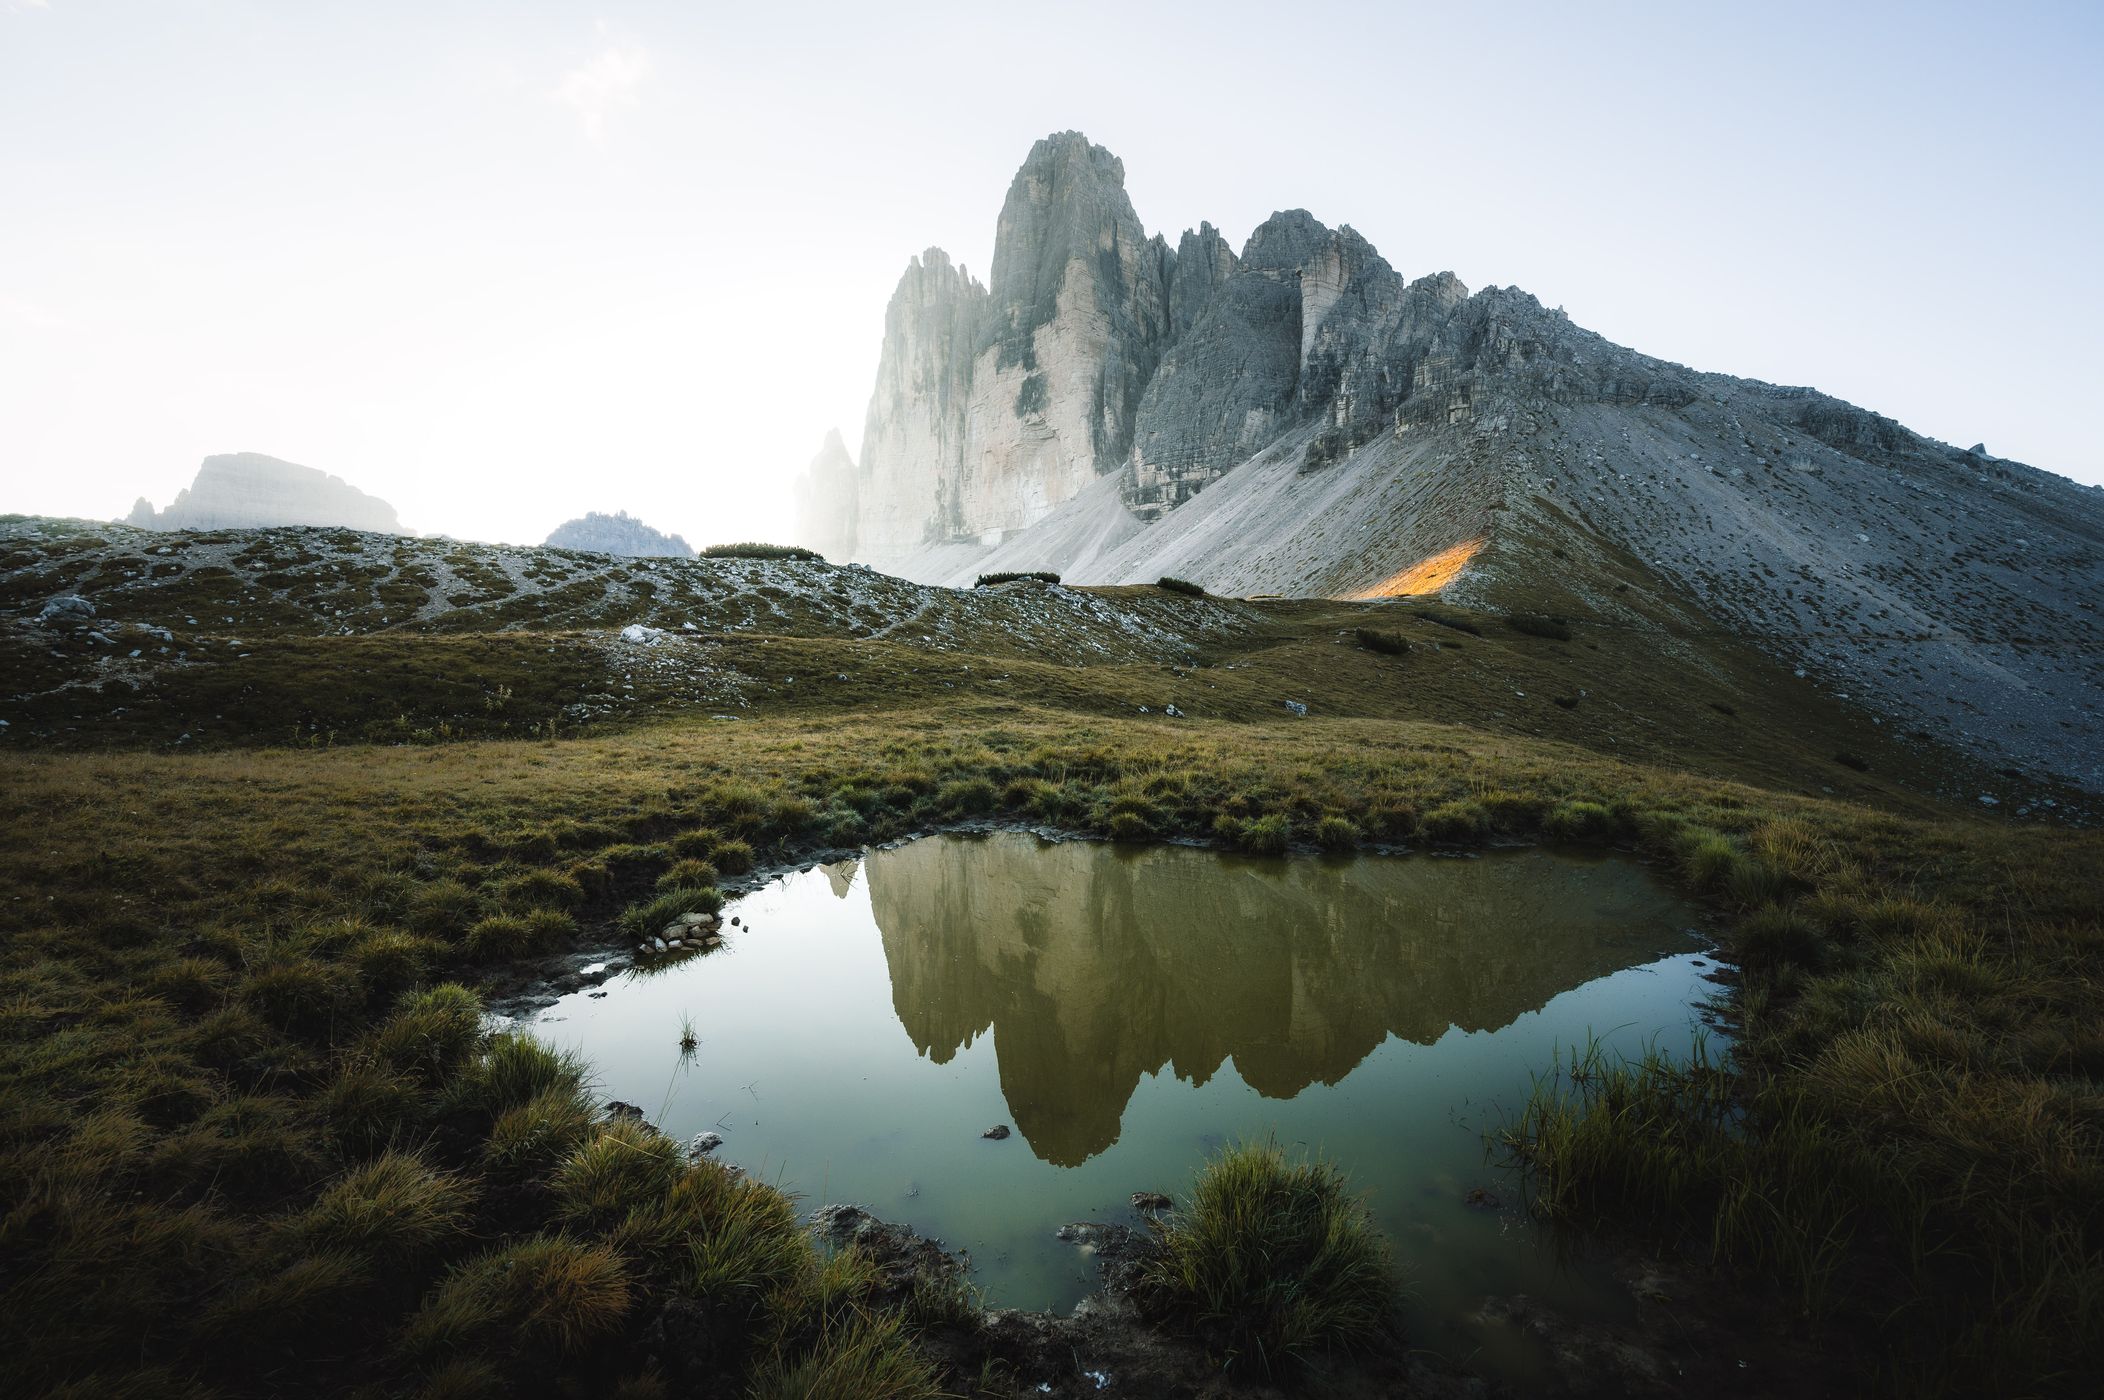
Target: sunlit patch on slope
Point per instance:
(1427, 575)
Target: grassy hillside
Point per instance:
(254, 1139)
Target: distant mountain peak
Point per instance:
(619, 533)
(245, 490)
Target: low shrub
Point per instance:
(1386, 643)
(1033, 575)
(1274, 1263)
(1540, 625)
(1852, 760)
(1180, 585)
(751, 549)
(1564, 702)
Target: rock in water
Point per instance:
(619, 533)
(247, 490)
(997, 1132)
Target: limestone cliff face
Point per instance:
(913, 438)
(826, 496)
(1297, 418)
(247, 490)
(993, 405)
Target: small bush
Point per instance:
(1274, 1264)
(1852, 760)
(540, 889)
(1337, 835)
(645, 920)
(750, 549)
(689, 873)
(393, 1211)
(1564, 702)
(1034, 575)
(1180, 585)
(549, 1292)
(1540, 625)
(1386, 643)
(1461, 822)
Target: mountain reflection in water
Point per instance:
(1095, 966)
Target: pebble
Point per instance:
(996, 1132)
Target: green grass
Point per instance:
(1273, 1264)
(239, 973)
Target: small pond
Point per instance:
(1129, 1011)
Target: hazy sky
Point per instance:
(502, 263)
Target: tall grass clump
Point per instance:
(391, 1212)
(549, 1293)
(1274, 1264)
(861, 1356)
(646, 919)
(1386, 643)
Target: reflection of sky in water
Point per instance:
(1129, 1012)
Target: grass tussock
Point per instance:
(1386, 643)
(1274, 1264)
(1180, 585)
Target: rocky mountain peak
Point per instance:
(619, 533)
(247, 490)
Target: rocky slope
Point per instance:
(1299, 418)
(619, 533)
(245, 490)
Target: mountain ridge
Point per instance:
(1299, 418)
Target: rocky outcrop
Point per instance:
(247, 490)
(619, 533)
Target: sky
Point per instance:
(501, 263)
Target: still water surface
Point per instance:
(1131, 1011)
